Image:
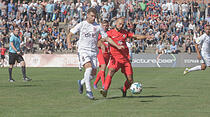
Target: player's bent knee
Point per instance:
(87, 65)
(94, 72)
(203, 67)
(103, 66)
(111, 72)
(23, 63)
(130, 81)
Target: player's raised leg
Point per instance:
(107, 82)
(101, 74)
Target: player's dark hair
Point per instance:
(93, 10)
(104, 21)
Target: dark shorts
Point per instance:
(2, 57)
(15, 57)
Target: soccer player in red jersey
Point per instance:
(3, 50)
(120, 58)
(103, 56)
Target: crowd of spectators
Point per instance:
(45, 24)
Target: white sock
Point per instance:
(91, 78)
(196, 68)
(83, 81)
(87, 76)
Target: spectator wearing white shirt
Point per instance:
(164, 8)
(94, 3)
(122, 8)
(169, 7)
(129, 45)
(175, 8)
(160, 48)
(192, 26)
(185, 9)
(79, 9)
(179, 25)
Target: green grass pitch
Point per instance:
(53, 92)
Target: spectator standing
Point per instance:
(202, 8)
(195, 7)
(3, 50)
(169, 7)
(122, 8)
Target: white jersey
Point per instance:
(204, 42)
(88, 35)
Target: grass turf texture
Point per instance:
(53, 92)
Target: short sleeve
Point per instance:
(130, 34)
(109, 33)
(200, 39)
(102, 32)
(76, 28)
(11, 39)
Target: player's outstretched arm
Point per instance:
(69, 40)
(198, 52)
(102, 46)
(113, 43)
(139, 37)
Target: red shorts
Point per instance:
(103, 58)
(125, 66)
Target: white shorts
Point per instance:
(85, 57)
(205, 59)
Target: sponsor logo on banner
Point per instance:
(165, 60)
(158, 61)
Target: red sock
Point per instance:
(102, 77)
(107, 82)
(97, 78)
(126, 85)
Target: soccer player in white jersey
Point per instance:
(87, 48)
(203, 54)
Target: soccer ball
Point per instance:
(136, 88)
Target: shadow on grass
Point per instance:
(147, 101)
(24, 85)
(149, 87)
(149, 96)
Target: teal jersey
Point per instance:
(16, 42)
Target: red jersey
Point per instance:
(119, 37)
(3, 50)
(106, 45)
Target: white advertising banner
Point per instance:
(138, 60)
(48, 60)
(51, 60)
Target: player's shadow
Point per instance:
(149, 96)
(149, 87)
(26, 85)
